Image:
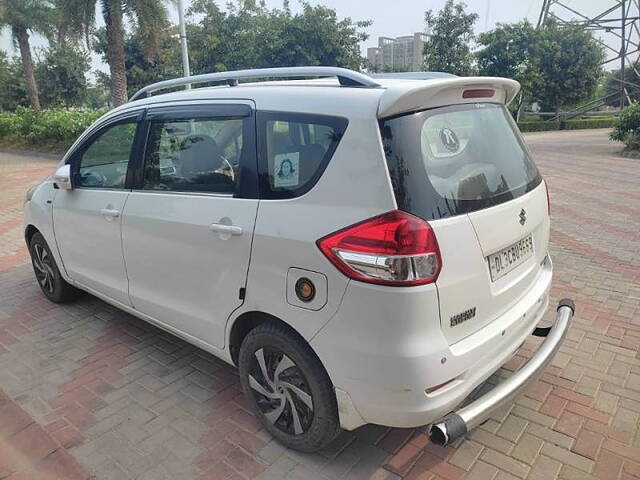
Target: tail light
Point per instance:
(395, 249)
(546, 187)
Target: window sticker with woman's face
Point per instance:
(286, 169)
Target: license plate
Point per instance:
(507, 259)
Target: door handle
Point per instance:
(220, 228)
(109, 212)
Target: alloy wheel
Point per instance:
(281, 391)
(43, 268)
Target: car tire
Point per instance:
(295, 400)
(54, 287)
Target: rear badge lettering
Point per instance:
(458, 318)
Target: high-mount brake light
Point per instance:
(479, 93)
(395, 248)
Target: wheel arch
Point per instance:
(29, 231)
(246, 322)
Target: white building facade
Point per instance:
(401, 53)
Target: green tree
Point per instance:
(149, 17)
(565, 66)
(141, 69)
(13, 91)
(611, 86)
(450, 34)
(250, 35)
(505, 52)
(22, 17)
(98, 95)
(63, 69)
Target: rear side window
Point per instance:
(294, 150)
(454, 160)
(194, 155)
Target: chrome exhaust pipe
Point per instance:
(456, 424)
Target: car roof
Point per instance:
(393, 94)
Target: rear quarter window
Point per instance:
(294, 150)
(454, 160)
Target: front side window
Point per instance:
(453, 160)
(104, 163)
(194, 155)
(294, 151)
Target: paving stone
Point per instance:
(512, 428)
(148, 390)
(466, 454)
(505, 462)
(482, 471)
(545, 468)
(527, 448)
(567, 457)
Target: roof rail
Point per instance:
(413, 75)
(345, 76)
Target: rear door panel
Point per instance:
(187, 249)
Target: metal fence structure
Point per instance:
(618, 23)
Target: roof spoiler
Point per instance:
(345, 76)
(412, 96)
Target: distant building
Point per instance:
(401, 53)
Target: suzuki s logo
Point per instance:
(523, 217)
(449, 139)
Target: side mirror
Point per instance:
(62, 177)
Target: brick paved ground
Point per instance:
(88, 390)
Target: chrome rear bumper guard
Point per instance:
(458, 423)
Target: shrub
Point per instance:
(626, 128)
(538, 126)
(55, 126)
(602, 122)
(542, 126)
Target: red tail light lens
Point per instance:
(395, 249)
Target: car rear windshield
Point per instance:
(454, 160)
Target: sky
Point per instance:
(392, 18)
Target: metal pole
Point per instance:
(543, 13)
(623, 51)
(183, 42)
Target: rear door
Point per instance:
(466, 170)
(188, 226)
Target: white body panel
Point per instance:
(352, 187)
(88, 226)
(385, 347)
(381, 346)
(180, 271)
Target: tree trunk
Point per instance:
(22, 36)
(115, 50)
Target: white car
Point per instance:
(365, 250)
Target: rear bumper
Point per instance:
(457, 423)
(385, 347)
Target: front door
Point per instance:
(188, 226)
(87, 219)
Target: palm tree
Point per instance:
(150, 16)
(22, 17)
